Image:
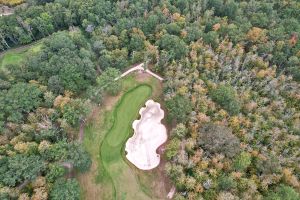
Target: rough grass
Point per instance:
(12, 58)
(17, 56)
(112, 176)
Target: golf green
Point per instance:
(124, 181)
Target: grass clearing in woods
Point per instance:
(18, 55)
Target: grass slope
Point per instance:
(111, 177)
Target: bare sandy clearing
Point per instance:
(149, 134)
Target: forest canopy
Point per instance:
(231, 92)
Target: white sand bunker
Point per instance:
(149, 134)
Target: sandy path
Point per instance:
(140, 67)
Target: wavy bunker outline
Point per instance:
(149, 134)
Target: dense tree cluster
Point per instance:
(65, 189)
(66, 64)
(247, 153)
(40, 113)
(225, 96)
(108, 82)
(243, 130)
(20, 99)
(240, 138)
(216, 139)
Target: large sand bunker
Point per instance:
(149, 134)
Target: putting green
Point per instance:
(124, 183)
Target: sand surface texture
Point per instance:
(149, 134)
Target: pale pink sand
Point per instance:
(149, 134)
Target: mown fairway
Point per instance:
(125, 185)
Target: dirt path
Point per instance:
(81, 131)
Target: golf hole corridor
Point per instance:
(124, 181)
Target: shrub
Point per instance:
(179, 108)
(226, 97)
(174, 45)
(283, 192)
(65, 189)
(218, 139)
(242, 161)
(55, 171)
(179, 131)
(226, 183)
(107, 81)
(172, 148)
